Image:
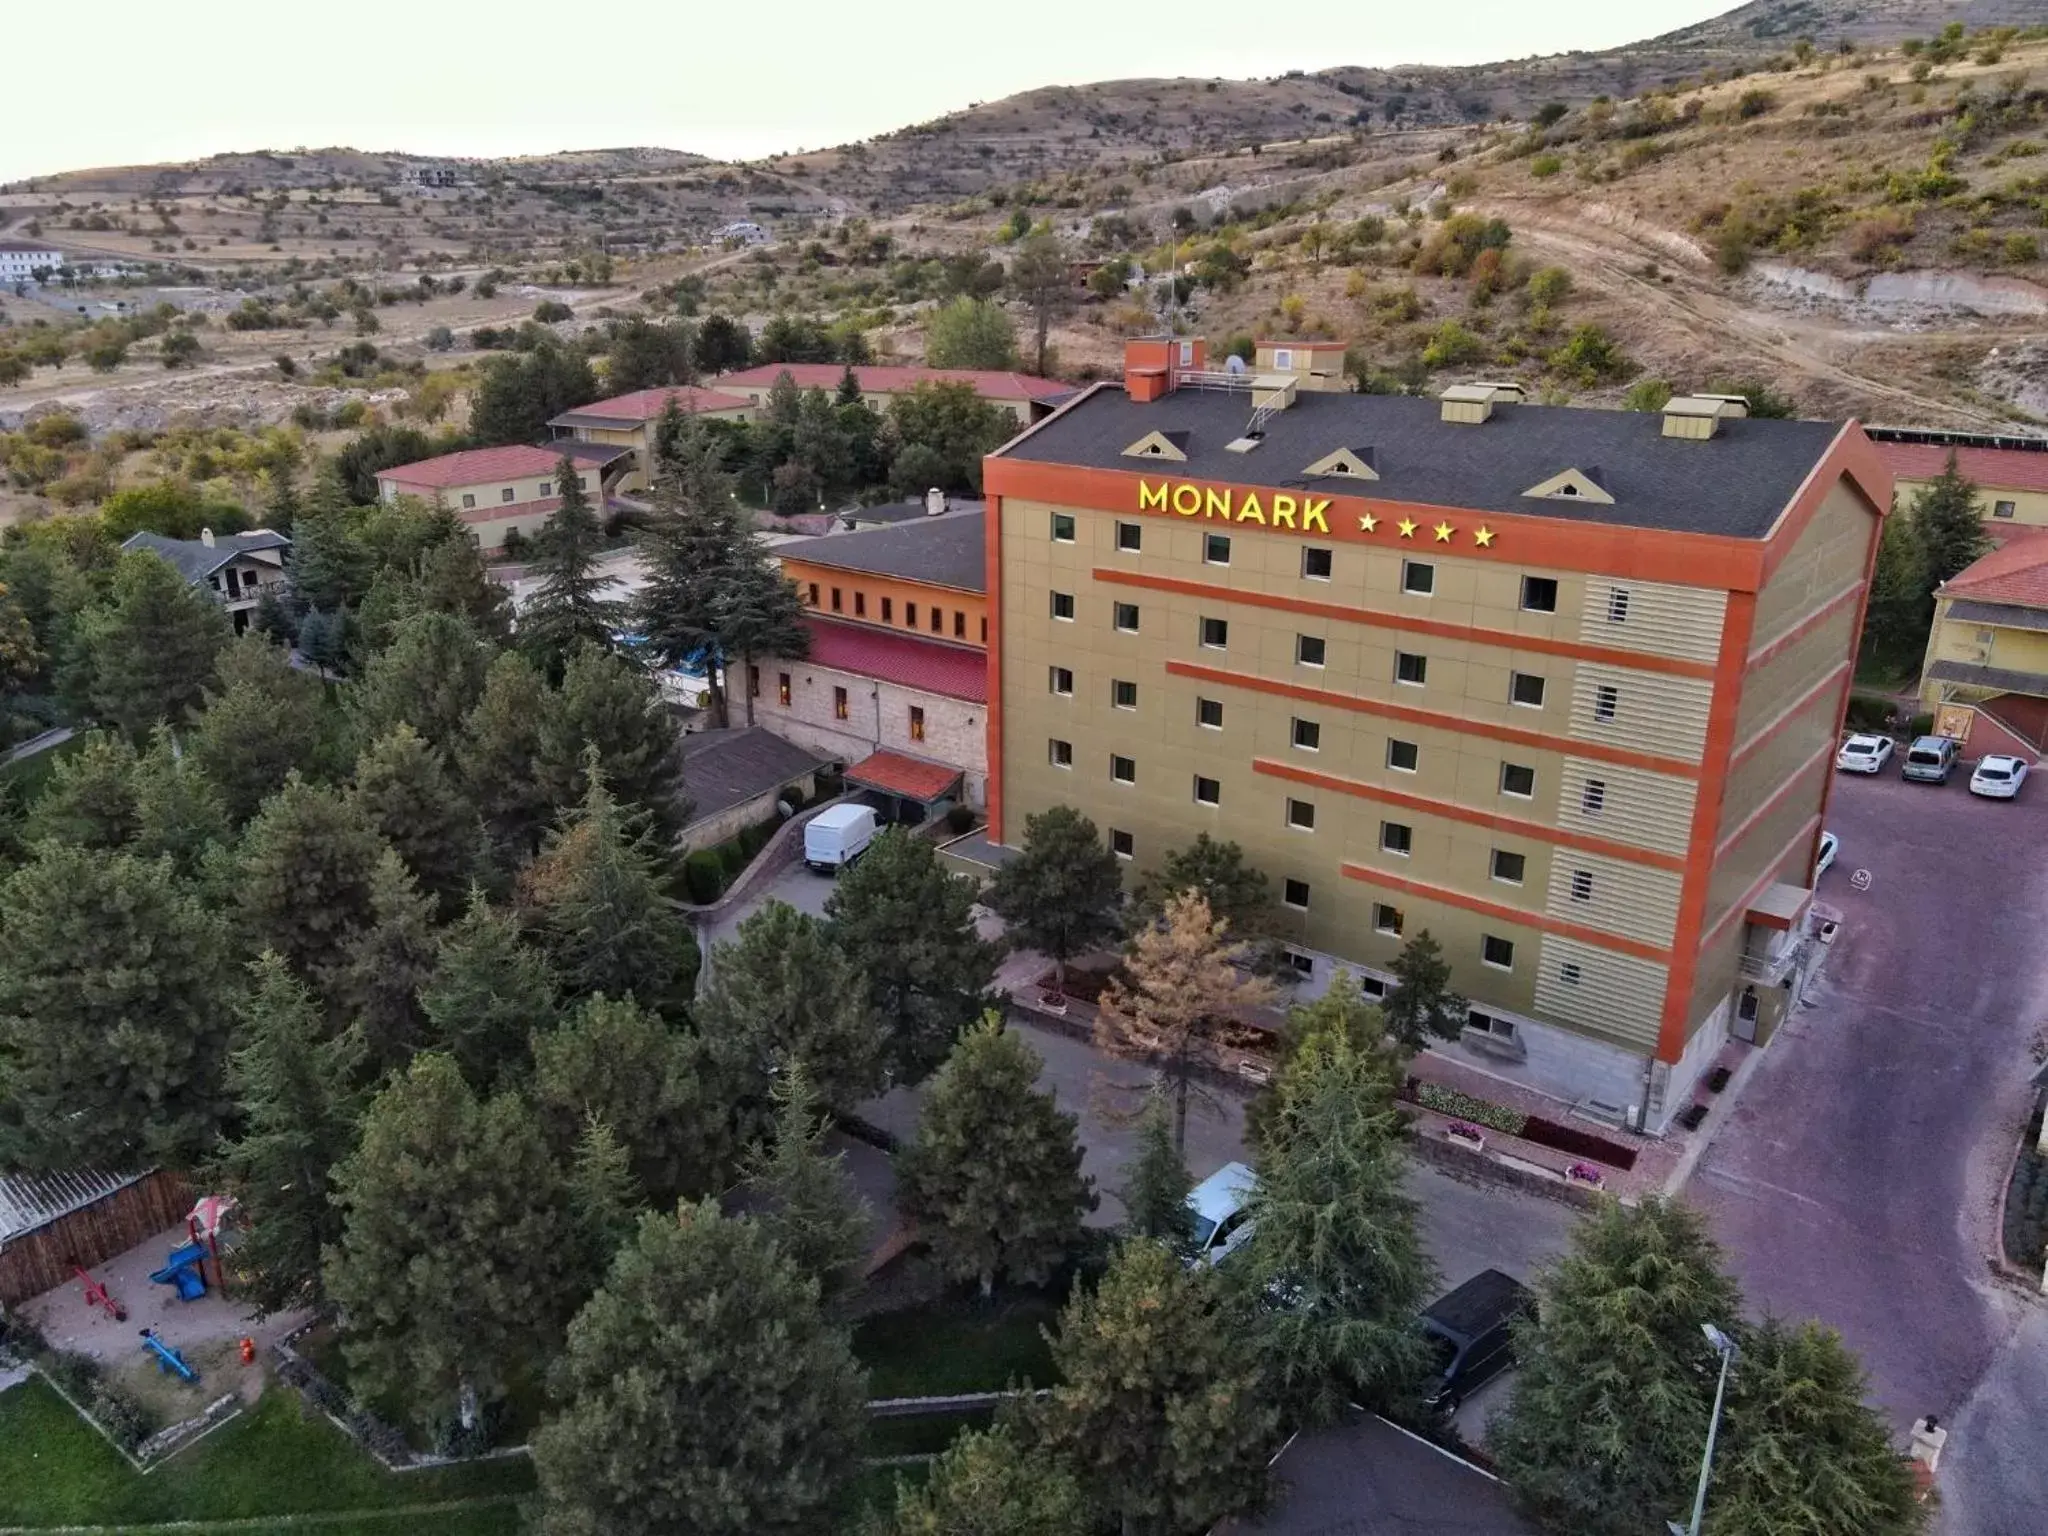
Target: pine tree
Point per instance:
(148, 652)
(1333, 1226)
(781, 993)
(430, 677)
(330, 570)
(618, 1063)
(810, 1206)
(1802, 1453)
(701, 1391)
(1342, 1012)
(1948, 525)
(1235, 891)
(450, 577)
(908, 926)
(498, 756)
(489, 994)
(566, 607)
(1156, 1195)
(1059, 895)
(291, 1082)
(1422, 1005)
(267, 718)
(992, 1483)
(761, 615)
(608, 704)
(388, 963)
(408, 796)
(1616, 1381)
(606, 920)
(113, 1014)
(1157, 1405)
(691, 550)
(1186, 979)
(604, 1197)
(1896, 615)
(307, 863)
(452, 1269)
(994, 1178)
(90, 799)
(178, 812)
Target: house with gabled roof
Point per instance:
(236, 569)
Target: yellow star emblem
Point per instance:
(1407, 526)
(1483, 537)
(1367, 523)
(1444, 532)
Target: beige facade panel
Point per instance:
(1595, 990)
(1788, 677)
(1640, 711)
(1626, 805)
(1716, 973)
(1782, 753)
(1829, 557)
(1632, 900)
(1769, 842)
(1652, 617)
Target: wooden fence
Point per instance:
(41, 1260)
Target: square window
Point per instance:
(1295, 894)
(1301, 814)
(782, 689)
(860, 605)
(1308, 735)
(840, 707)
(1209, 714)
(1062, 607)
(1539, 594)
(1062, 680)
(1309, 650)
(1372, 986)
(835, 600)
(1617, 606)
(1386, 919)
(1315, 564)
(1509, 868)
(1063, 528)
(1123, 769)
(1208, 791)
(1497, 951)
(1593, 798)
(1122, 844)
(1215, 634)
(916, 723)
(1283, 359)
(506, 494)
(2003, 508)
(546, 489)
(468, 501)
(1418, 577)
(1123, 695)
(1582, 885)
(1130, 538)
(1403, 756)
(1410, 668)
(888, 607)
(1517, 779)
(1526, 689)
(1304, 965)
(1216, 549)
(1568, 973)
(1127, 618)
(1395, 838)
(1061, 753)
(1606, 700)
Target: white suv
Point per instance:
(1864, 754)
(1998, 778)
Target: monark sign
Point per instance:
(1279, 509)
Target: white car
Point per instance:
(1222, 1222)
(1864, 754)
(1829, 846)
(1998, 778)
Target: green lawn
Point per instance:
(274, 1460)
(958, 1347)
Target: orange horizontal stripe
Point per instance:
(1473, 818)
(1805, 626)
(1776, 799)
(1379, 619)
(1484, 908)
(1804, 834)
(1621, 757)
(1790, 712)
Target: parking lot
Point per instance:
(1858, 1180)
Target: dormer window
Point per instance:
(1160, 445)
(1573, 485)
(1344, 464)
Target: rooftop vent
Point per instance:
(1472, 403)
(1699, 417)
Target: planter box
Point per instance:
(1466, 1139)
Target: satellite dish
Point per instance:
(1233, 364)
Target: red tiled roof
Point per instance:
(879, 379)
(475, 466)
(648, 404)
(895, 774)
(2015, 572)
(957, 671)
(2003, 469)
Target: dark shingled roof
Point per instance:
(2004, 679)
(722, 769)
(945, 551)
(1370, 1477)
(1735, 484)
(195, 559)
(2011, 615)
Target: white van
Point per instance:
(838, 835)
(1221, 1219)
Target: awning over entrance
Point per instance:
(908, 778)
(1779, 906)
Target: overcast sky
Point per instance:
(132, 81)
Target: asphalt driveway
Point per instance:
(1858, 1179)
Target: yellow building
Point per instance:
(496, 491)
(2010, 473)
(1562, 687)
(1025, 396)
(628, 421)
(1986, 670)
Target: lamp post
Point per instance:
(1725, 1348)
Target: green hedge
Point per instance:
(703, 876)
(1463, 1106)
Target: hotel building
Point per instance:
(1561, 686)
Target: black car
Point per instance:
(1469, 1332)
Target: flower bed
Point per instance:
(1513, 1122)
(1463, 1106)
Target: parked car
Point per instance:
(1222, 1222)
(1998, 777)
(1864, 754)
(1471, 1335)
(1930, 760)
(837, 836)
(1830, 845)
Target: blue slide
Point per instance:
(182, 1271)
